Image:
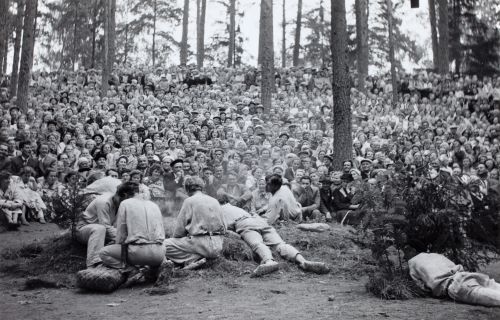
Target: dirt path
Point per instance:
(289, 294)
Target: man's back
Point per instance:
(100, 211)
(200, 215)
(139, 221)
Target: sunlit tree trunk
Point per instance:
(153, 47)
(434, 37)
(298, 27)
(391, 53)
(268, 81)
(112, 35)
(283, 37)
(184, 41)
(443, 37)
(26, 54)
(17, 47)
(342, 126)
(105, 54)
(361, 7)
(4, 38)
(232, 33)
(200, 57)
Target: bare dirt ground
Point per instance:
(209, 294)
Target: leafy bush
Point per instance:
(66, 207)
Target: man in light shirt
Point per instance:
(139, 235)
(282, 204)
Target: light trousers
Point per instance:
(187, 250)
(137, 255)
(475, 288)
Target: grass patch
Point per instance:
(55, 255)
(393, 286)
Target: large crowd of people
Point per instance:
(159, 127)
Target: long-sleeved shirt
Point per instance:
(200, 215)
(283, 205)
(434, 272)
(139, 221)
(309, 198)
(101, 210)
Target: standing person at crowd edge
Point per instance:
(282, 204)
(260, 236)
(199, 228)
(139, 233)
(96, 225)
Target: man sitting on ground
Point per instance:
(260, 236)
(199, 228)
(11, 201)
(96, 225)
(139, 233)
(282, 204)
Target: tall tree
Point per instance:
(17, 47)
(112, 35)
(200, 43)
(105, 53)
(184, 40)
(363, 54)
(298, 27)
(434, 37)
(4, 38)
(443, 42)
(232, 33)
(342, 126)
(283, 37)
(27, 54)
(392, 58)
(261, 36)
(268, 80)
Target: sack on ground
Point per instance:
(101, 279)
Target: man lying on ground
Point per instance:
(435, 273)
(260, 236)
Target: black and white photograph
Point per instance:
(250, 159)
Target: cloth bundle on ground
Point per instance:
(435, 273)
(314, 227)
(100, 279)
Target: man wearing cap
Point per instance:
(366, 168)
(198, 229)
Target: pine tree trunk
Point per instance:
(361, 7)
(392, 58)
(153, 49)
(200, 57)
(4, 38)
(73, 58)
(268, 81)
(342, 126)
(322, 35)
(443, 37)
(112, 35)
(125, 50)
(17, 47)
(298, 26)
(5, 56)
(184, 40)
(434, 37)
(34, 34)
(105, 53)
(26, 55)
(283, 37)
(261, 36)
(232, 33)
